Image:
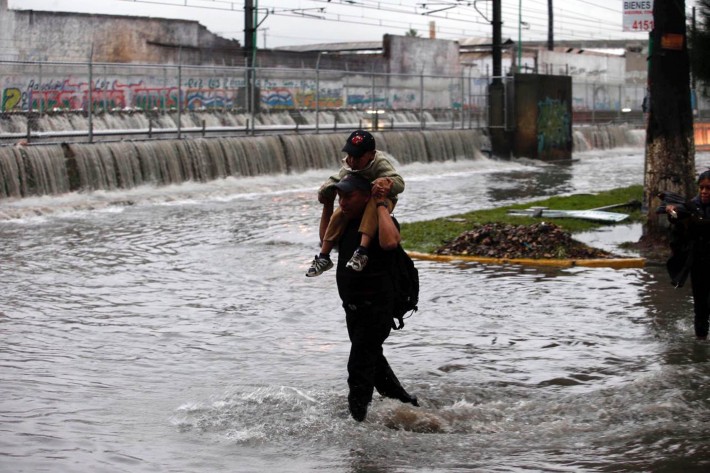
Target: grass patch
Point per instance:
(429, 235)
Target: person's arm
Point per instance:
(326, 193)
(672, 211)
(389, 236)
(383, 169)
(325, 215)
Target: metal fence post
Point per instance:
(41, 101)
(373, 108)
(318, 93)
(463, 99)
(253, 99)
(594, 103)
(91, 95)
(421, 100)
(179, 110)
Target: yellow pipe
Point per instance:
(616, 263)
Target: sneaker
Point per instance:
(357, 262)
(319, 266)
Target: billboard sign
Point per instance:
(638, 15)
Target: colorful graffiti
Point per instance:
(106, 96)
(11, 98)
(365, 100)
(553, 125)
(327, 98)
(277, 98)
(404, 100)
(199, 93)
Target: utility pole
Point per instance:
(520, 35)
(550, 27)
(497, 109)
(249, 34)
(670, 149)
(496, 54)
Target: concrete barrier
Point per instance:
(615, 263)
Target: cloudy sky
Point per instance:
(296, 22)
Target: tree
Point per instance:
(670, 150)
(412, 33)
(700, 44)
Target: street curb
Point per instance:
(616, 263)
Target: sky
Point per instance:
(300, 22)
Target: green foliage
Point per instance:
(429, 235)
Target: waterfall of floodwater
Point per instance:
(25, 170)
(52, 169)
(135, 120)
(590, 137)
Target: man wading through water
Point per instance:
(368, 296)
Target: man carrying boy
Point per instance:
(368, 298)
(363, 160)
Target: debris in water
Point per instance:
(539, 241)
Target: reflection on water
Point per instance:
(531, 183)
(179, 334)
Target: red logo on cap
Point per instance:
(357, 140)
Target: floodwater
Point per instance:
(173, 329)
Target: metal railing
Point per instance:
(172, 100)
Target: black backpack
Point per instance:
(406, 286)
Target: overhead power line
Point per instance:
(453, 19)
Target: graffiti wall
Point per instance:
(74, 94)
(201, 91)
(554, 125)
(543, 117)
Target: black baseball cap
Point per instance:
(353, 182)
(358, 143)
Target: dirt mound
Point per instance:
(538, 241)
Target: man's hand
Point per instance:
(672, 211)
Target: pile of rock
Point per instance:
(538, 241)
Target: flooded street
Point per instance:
(172, 329)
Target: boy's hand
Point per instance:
(381, 186)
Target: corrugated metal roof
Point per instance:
(349, 46)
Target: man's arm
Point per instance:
(389, 236)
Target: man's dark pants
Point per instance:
(369, 325)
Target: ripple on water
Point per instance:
(185, 337)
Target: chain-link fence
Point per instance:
(53, 100)
(50, 98)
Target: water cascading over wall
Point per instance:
(55, 169)
(589, 137)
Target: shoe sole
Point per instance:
(309, 275)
